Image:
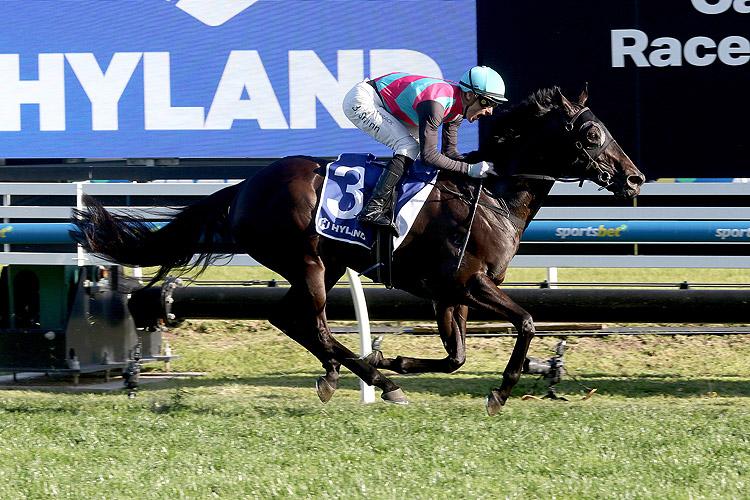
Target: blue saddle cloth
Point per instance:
(348, 185)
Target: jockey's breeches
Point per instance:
(363, 107)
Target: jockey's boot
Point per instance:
(379, 209)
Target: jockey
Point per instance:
(404, 112)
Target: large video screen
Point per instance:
(212, 78)
(670, 78)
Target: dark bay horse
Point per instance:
(271, 217)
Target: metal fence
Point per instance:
(699, 225)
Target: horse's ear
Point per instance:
(584, 95)
(563, 103)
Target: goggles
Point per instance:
(486, 102)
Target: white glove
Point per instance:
(481, 169)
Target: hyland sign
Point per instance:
(209, 78)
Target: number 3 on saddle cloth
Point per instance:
(348, 184)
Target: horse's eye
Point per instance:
(594, 135)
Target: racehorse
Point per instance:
(271, 217)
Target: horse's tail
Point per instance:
(130, 240)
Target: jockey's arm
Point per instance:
(430, 119)
(450, 140)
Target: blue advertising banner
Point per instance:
(714, 231)
(212, 78)
(703, 231)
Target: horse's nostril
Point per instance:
(635, 180)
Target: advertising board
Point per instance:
(669, 78)
(211, 78)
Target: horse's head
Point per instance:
(592, 150)
(548, 137)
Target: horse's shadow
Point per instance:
(476, 384)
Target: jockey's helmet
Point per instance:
(485, 83)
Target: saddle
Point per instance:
(348, 184)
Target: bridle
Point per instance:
(587, 154)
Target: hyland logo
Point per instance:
(214, 12)
(332, 229)
(732, 233)
(590, 231)
(5, 230)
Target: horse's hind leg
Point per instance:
(288, 323)
(310, 329)
(451, 321)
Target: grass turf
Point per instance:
(671, 421)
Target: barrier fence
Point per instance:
(704, 225)
(669, 225)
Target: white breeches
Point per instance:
(363, 107)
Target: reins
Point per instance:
(502, 210)
(587, 154)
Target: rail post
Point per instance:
(363, 323)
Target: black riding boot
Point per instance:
(379, 209)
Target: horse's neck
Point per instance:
(525, 196)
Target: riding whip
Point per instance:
(471, 222)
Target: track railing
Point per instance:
(703, 225)
(669, 225)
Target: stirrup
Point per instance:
(379, 219)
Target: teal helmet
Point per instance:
(484, 82)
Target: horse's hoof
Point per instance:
(374, 358)
(493, 404)
(395, 396)
(325, 390)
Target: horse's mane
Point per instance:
(510, 124)
(506, 132)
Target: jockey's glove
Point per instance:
(481, 170)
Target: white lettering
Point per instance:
(712, 8)
(48, 92)
(104, 89)
(310, 81)
(732, 233)
(622, 46)
(244, 71)
(668, 51)
(157, 98)
(671, 55)
(691, 51)
(244, 91)
(732, 45)
(721, 6)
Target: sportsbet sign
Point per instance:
(638, 231)
(209, 78)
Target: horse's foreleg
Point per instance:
(451, 321)
(484, 294)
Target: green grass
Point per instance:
(670, 420)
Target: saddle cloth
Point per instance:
(348, 184)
